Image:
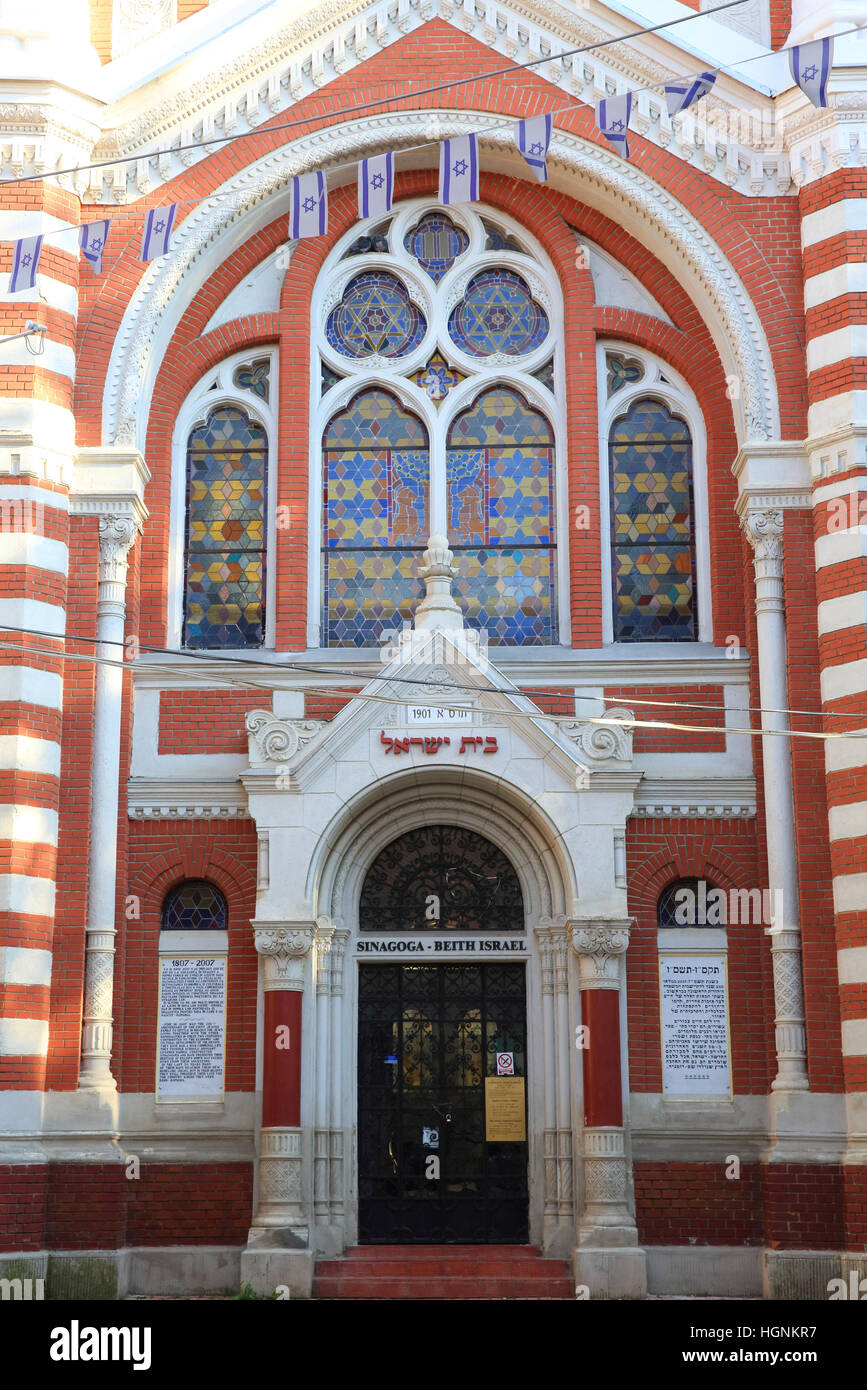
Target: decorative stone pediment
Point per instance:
(275, 740)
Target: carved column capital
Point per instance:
(284, 950)
(764, 531)
(598, 945)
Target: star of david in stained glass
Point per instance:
(437, 378)
(225, 541)
(377, 316)
(436, 244)
(498, 314)
(375, 518)
(652, 541)
(500, 509)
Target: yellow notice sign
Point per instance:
(505, 1121)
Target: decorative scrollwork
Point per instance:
(278, 740)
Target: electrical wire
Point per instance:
(365, 107)
(161, 668)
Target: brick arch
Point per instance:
(194, 855)
(552, 217)
(687, 859)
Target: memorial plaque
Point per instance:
(505, 1111)
(693, 1002)
(191, 1036)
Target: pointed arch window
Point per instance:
(653, 460)
(438, 352)
(220, 586)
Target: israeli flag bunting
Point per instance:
(811, 65)
(92, 238)
(680, 95)
(157, 231)
(459, 170)
(375, 185)
(24, 263)
(308, 206)
(533, 137)
(612, 118)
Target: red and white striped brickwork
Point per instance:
(834, 239)
(37, 432)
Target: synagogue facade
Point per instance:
(434, 650)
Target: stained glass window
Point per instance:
(498, 314)
(254, 377)
(437, 378)
(436, 244)
(375, 519)
(224, 574)
(681, 902)
(473, 883)
(195, 906)
(375, 315)
(652, 535)
(500, 507)
(621, 371)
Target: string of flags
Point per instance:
(811, 64)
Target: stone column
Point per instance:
(764, 530)
(607, 1259)
(321, 1136)
(117, 532)
(284, 953)
(337, 1177)
(277, 1251)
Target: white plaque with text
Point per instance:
(438, 714)
(191, 1041)
(693, 1002)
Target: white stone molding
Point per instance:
(598, 945)
(606, 1180)
(619, 858)
(263, 862)
(275, 740)
(336, 1120)
(117, 532)
(763, 528)
(552, 935)
(603, 743)
(133, 21)
(321, 1135)
(280, 1201)
(258, 193)
(284, 951)
(274, 69)
(549, 1131)
(438, 608)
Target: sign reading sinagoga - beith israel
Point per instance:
(191, 1041)
(693, 1001)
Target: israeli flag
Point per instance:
(308, 205)
(459, 170)
(811, 65)
(612, 118)
(375, 185)
(24, 263)
(157, 231)
(533, 137)
(680, 95)
(92, 238)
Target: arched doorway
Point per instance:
(430, 1031)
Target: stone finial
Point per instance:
(438, 609)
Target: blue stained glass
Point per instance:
(375, 518)
(225, 538)
(436, 244)
(195, 906)
(652, 535)
(375, 316)
(498, 314)
(500, 497)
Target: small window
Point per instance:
(689, 902)
(195, 906)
